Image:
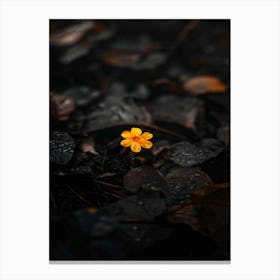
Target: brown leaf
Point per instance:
(61, 106)
(208, 212)
(121, 58)
(71, 34)
(204, 84)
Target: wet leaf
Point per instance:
(61, 147)
(188, 110)
(205, 84)
(145, 178)
(80, 170)
(107, 114)
(182, 182)
(188, 154)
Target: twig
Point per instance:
(107, 184)
(182, 36)
(132, 160)
(79, 196)
(111, 187)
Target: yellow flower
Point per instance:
(136, 140)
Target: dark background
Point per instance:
(107, 76)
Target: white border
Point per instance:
(255, 138)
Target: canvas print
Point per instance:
(139, 140)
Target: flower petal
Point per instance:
(126, 142)
(126, 134)
(135, 131)
(147, 135)
(135, 147)
(146, 144)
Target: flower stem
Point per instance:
(132, 160)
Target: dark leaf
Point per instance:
(80, 170)
(159, 146)
(108, 114)
(151, 61)
(76, 122)
(119, 91)
(82, 95)
(145, 178)
(61, 147)
(137, 209)
(188, 110)
(223, 133)
(182, 182)
(187, 154)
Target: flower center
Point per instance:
(135, 138)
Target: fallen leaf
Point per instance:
(61, 107)
(88, 147)
(182, 183)
(204, 84)
(106, 114)
(188, 109)
(208, 212)
(61, 147)
(187, 154)
(71, 34)
(145, 178)
(121, 58)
